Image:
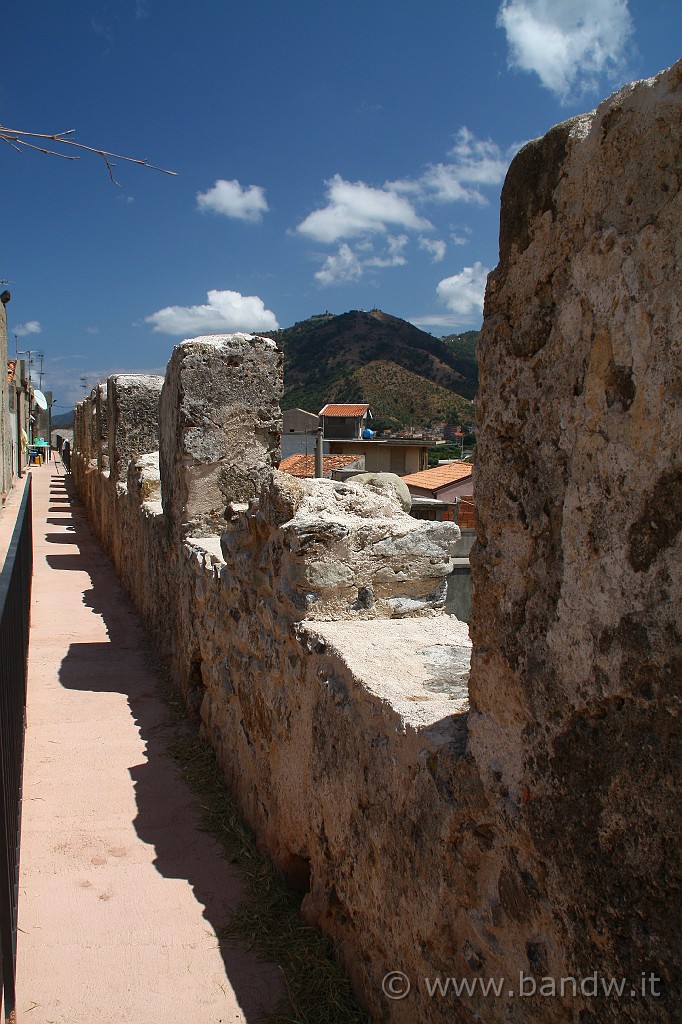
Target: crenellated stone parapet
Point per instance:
(101, 428)
(220, 426)
(231, 562)
(532, 834)
(132, 419)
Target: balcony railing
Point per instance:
(15, 610)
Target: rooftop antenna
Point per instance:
(41, 374)
(84, 384)
(24, 352)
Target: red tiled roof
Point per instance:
(439, 476)
(344, 410)
(304, 465)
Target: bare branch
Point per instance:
(18, 139)
(29, 145)
(10, 143)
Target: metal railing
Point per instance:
(15, 609)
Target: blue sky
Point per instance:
(329, 156)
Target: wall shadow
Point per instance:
(168, 815)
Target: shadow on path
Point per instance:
(167, 814)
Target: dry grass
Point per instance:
(268, 920)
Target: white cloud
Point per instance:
(225, 311)
(478, 160)
(567, 43)
(463, 293)
(92, 330)
(348, 265)
(475, 162)
(358, 215)
(231, 199)
(355, 209)
(30, 327)
(340, 267)
(439, 320)
(435, 247)
(394, 255)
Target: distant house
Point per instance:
(299, 432)
(304, 465)
(345, 422)
(19, 392)
(346, 432)
(298, 421)
(389, 456)
(444, 483)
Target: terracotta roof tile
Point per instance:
(344, 410)
(304, 465)
(439, 476)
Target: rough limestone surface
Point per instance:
(533, 836)
(220, 423)
(389, 482)
(344, 551)
(101, 427)
(94, 443)
(133, 419)
(577, 570)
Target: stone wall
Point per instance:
(304, 619)
(6, 467)
(534, 839)
(576, 575)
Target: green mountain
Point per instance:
(406, 375)
(63, 419)
(399, 397)
(463, 346)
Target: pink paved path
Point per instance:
(120, 894)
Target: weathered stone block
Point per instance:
(389, 482)
(342, 550)
(576, 614)
(133, 419)
(102, 427)
(220, 426)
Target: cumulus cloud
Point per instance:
(567, 43)
(231, 199)
(473, 163)
(359, 217)
(394, 256)
(463, 293)
(224, 312)
(30, 327)
(435, 247)
(349, 264)
(355, 209)
(340, 267)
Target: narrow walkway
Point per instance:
(120, 893)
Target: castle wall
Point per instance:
(533, 838)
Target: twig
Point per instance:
(18, 139)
